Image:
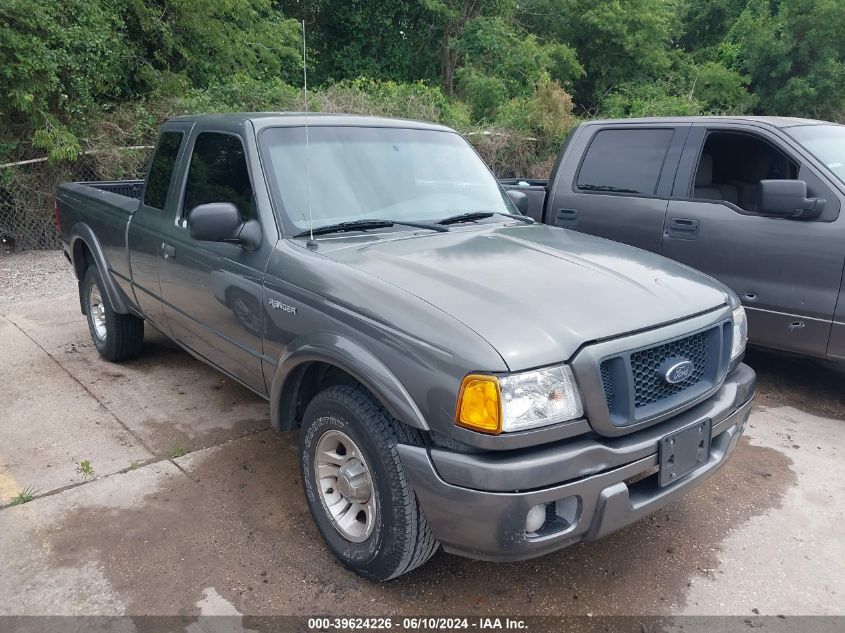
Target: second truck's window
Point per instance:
(161, 170)
(219, 173)
(624, 161)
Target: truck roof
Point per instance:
(773, 121)
(297, 119)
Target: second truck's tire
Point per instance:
(116, 336)
(361, 499)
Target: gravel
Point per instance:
(32, 275)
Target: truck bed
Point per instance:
(105, 208)
(127, 188)
(534, 188)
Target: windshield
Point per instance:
(825, 142)
(377, 173)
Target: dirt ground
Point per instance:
(194, 504)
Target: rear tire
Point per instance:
(347, 432)
(116, 336)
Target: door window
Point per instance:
(219, 173)
(625, 161)
(732, 165)
(161, 170)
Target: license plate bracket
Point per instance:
(683, 451)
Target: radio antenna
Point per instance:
(311, 242)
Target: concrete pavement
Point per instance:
(224, 526)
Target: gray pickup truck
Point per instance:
(753, 201)
(461, 376)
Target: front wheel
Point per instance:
(116, 336)
(356, 487)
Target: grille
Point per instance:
(649, 386)
(607, 383)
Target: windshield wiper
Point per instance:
(363, 225)
(606, 188)
(481, 215)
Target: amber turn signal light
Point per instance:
(479, 404)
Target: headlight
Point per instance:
(740, 334)
(495, 404)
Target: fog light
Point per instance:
(536, 518)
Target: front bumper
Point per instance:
(477, 505)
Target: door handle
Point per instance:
(567, 218)
(683, 224)
(168, 250)
(683, 228)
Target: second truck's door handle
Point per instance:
(683, 228)
(567, 218)
(168, 250)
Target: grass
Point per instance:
(134, 465)
(86, 469)
(25, 496)
(178, 450)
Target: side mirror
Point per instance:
(520, 199)
(221, 222)
(788, 199)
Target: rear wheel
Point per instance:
(356, 486)
(116, 336)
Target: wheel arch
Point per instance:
(86, 249)
(334, 357)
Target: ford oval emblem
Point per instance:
(677, 370)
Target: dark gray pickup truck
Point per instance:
(753, 201)
(461, 376)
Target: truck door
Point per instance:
(619, 189)
(786, 272)
(212, 291)
(147, 223)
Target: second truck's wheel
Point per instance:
(356, 486)
(116, 336)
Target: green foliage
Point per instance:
(197, 42)
(382, 39)
(546, 114)
(86, 469)
(794, 53)
(720, 90)
(388, 98)
(240, 93)
(486, 94)
(631, 99)
(617, 41)
(25, 495)
(80, 75)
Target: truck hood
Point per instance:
(534, 292)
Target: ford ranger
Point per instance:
(461, 376)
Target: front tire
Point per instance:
(356, 487)
(116, 336)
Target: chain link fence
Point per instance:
(28, 190)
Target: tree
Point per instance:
(617, 41)
(794, 52)
(380, 39)
(449, 18)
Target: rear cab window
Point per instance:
(624, 161)
(161, 170)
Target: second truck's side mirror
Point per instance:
(221, 222)
(520, 199)
(788, 199)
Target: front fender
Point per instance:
(82, 234)
(348, 356)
